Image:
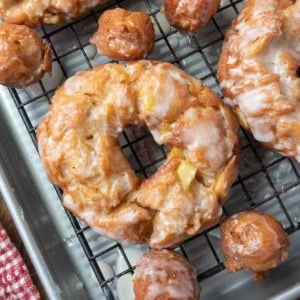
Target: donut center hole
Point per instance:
(142, 152)
(298, 72)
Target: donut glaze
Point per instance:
(165, 275)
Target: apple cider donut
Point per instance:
(259, 72)
(124, 35)
(36, 12)
(24, 58)
(190, 15)
(78, 142)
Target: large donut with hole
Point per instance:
(33, 12)
(259, 72)
(78, 143)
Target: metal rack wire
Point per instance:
(260, 167)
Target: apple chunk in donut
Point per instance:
(78, 142)
(258, 72)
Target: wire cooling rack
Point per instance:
(267, 181)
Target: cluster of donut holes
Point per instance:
(130, 35)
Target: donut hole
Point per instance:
(144, 155)
(298, 72)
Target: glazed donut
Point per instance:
(124, 35)
(165, 275)
(259, 72)
(190, 15)
(254, 241)
(24, 58)
(78, 142)
(33, 12)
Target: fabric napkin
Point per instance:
(15, 282)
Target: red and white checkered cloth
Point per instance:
(15, 282)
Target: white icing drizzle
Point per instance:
(184, 5)
(158, 270)
(74, 84)
(200, 133)
(166, 97)
(205, 134)
(90, 216)
(129, 217)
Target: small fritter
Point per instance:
(124, 35)
(24, 58)
(190, 15)
(37, 12)
(253, 241)
(165, 275)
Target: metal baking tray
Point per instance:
(72, 261)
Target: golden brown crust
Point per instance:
(165, 275)
(254, 241)
(124, 35)
(190, 15)
(258, 72)
(24, 58)
(78, 144)
(33, 13)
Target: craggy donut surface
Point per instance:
(24, 58)
(78, 142)
(37, 12)
(259, 72)
(254, 241)
(190, 15)
(124, 34)
(165, 275)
